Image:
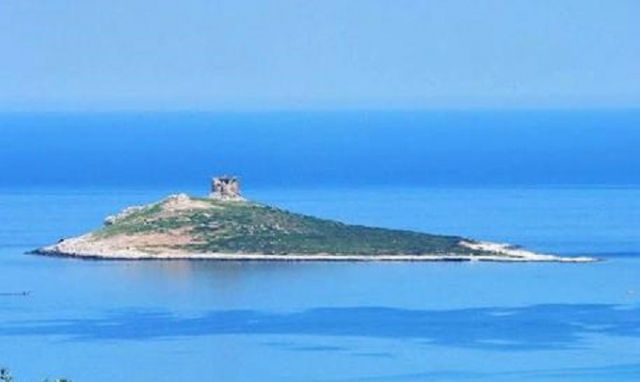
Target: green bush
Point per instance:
(5, 376)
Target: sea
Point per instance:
(563, 182)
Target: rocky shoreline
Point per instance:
(83, 248)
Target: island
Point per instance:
(226, 226)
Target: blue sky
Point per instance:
(324, 54)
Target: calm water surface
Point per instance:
(101, 321)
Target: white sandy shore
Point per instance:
(84, 247)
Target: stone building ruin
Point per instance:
(226, 188)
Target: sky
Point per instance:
(318, 54)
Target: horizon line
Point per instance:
(321, 110)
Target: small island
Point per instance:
(225, 226)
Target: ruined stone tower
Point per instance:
(226, 188)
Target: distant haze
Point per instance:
(314, 149)
(330, 54)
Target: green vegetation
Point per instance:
(245, 227)
(5, 376)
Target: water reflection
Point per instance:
(557, 326)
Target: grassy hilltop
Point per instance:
(246, 227)
(183, 227)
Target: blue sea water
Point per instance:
(165, 321)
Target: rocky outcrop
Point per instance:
(113, 219)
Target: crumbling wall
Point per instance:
(226, 188)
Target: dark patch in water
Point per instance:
(557, 326)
